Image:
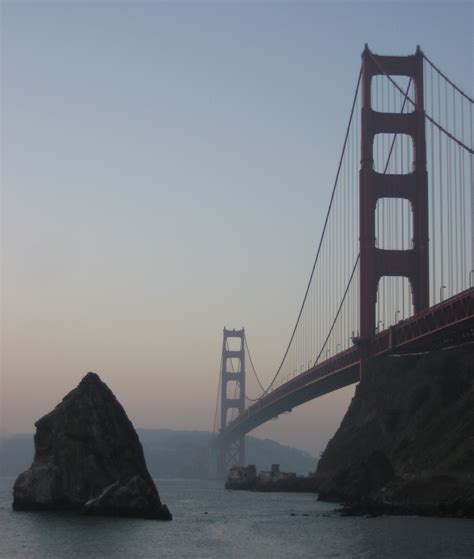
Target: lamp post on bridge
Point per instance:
(441, 293)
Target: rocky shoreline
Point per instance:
(404, 447)
(406, 443)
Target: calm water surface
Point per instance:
(211, 522)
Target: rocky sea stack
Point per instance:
(406, 444)
(88, 458)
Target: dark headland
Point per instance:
(88, 458)
(406, 443)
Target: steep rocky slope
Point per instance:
(406, 443)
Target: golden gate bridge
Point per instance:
(394, 267)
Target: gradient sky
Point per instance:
(165, 171)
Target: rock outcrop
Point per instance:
(88, 458)
(406, 443)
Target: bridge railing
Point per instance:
(448, 313)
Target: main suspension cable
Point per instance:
(452, 84)
(405, 94)
(251, 362)
(338, 310)
(322, 235)
(427, 116)
(217, 399)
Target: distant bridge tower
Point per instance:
(375, 262)
(233, 372)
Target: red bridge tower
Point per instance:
(375, 262)
(232, 454)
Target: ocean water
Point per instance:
(210, 522)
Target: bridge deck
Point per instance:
(448, 323)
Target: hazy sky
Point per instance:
(165, 171)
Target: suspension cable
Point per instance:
(322, 236)
(405, 94)
(217, 399)
(452, 84)
(338, 310)
(427, 116)
(251, 362)
(433, 122)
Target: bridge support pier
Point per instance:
(232, 398)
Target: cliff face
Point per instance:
(88, 457)
(406, 443)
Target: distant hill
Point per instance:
(187, 454)
(172, 453)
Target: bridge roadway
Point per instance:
(445, 324)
